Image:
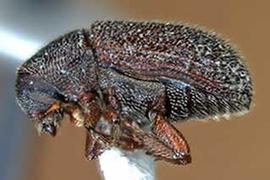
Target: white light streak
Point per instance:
(17, 47)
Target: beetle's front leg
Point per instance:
(88, 115)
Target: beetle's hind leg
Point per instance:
(172, 138)
(163, 141)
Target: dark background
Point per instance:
(236, 149)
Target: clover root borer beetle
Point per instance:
(126, 82)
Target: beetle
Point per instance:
(126, 83)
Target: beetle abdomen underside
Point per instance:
(203, 75)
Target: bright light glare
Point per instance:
(17, 47)
(120, 165)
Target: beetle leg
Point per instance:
(91, 109)
(163, 141)
(127, 139)
(95, 145)
(54, 107)
(156, 148)
(120, 138)
(172, 138)
(149, 142)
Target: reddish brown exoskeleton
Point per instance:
(126, 82)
